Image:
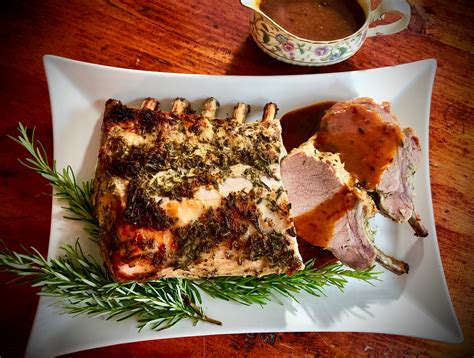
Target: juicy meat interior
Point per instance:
(187, 195)
(329, 211)
(377, 153)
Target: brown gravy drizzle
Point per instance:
(317, 226)
(323, 257)
(366, 144)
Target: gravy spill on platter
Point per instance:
(322, 257)
(321, 20)
(366, 144)
(299, 125)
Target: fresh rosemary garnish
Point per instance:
(78, 197)
(83, 286)
(261, 290)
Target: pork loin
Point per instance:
(179, 194)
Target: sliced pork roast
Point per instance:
(329, 211)
(394, 193)
(180, 194)
(380, 155)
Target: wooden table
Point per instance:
(213, 37)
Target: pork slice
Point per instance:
(394, 194)
(329, 211)
(392, 191)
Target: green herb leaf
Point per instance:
(261, 290)
(64, 183)
(265, 37)
(83, 286)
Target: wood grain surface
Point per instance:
(213, 37)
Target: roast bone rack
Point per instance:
(209, 108)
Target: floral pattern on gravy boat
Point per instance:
(284, 46)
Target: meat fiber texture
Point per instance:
(179, 194)
(395, 190)
(313, 178)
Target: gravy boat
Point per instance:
(287, 47)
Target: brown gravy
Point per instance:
(321, 256)
(322, 20)
(366, 144)
(300, 124)
(317, 226)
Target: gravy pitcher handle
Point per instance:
(387, 6)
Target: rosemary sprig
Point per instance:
(78, 197)
(261, 290)
(83, 286)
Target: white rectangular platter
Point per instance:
(417, 304)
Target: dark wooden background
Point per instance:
(213, 37)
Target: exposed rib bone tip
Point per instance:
(180, 105)
(240, 111)
(210, 107)
(415, 223)
(391, 263)
(150, 103)
(269, 111)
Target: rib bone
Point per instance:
(180, 106)
(391, 263)
(269, 112)
(150, 103)
(415, 223)
(240, 112)
(210, 107)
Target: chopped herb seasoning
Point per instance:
(165, 155)
(177, 185)
(142, 211)
(149, 120)
(204, 234)
(273, 247)
(129, 164)
(229, 223)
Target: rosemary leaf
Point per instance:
(83, 287)
(66, 188)
(261, 290)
